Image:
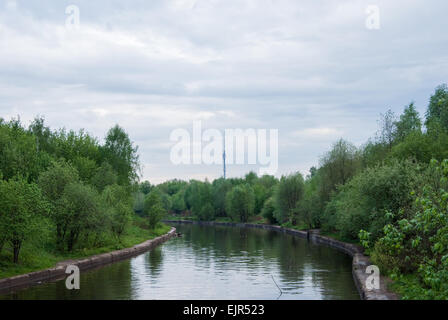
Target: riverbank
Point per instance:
(84, 263)
(359, 262)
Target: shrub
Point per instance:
(240, 203)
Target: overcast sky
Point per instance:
(311, 69)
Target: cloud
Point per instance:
(307, 68)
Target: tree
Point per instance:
(286, 196)
(268, 211)
(220, 187)
(120, 152)
(53, 183)
(18, 156)
(409, 122)
(118, 203)
(22, 208)
(155, 215)
(338, 166)
(437, 112)
(79, 212)
(104, 176)
(240, 203)
(145, 187)
(387, 131)
(206, 213)
(178, 203)
(153, 208)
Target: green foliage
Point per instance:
(286, 196)
(309, 209)
(268, 211)
(363, 203)
(207, 212)
(121, 154)
(220, 188)
(18, 152)
(145, 187)
(22, 209)
(139, 202)
(240, 203)
(80, 214)
(437, 113)
(197, 195)
(104, 176)
(337, 167)
(178, 202)
(117, 203)
(418, 241)
(409, 123)
(154, 209)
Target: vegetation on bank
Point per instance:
(390, 195)
(35, 256)
(64, 195)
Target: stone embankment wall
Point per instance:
(359, 263)
(58, 272)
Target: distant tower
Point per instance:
(224, 156)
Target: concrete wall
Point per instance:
(359, 263)
(58, 272)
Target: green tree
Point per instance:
(268, 211)
(338, 166)
(53, 183)
(178, 203)
(145, 187)
(153, 208)
(409, 122)
(240, 203)
(79, 210)
(104, 176)
(18, 156)
(387, 132)
(118, 204)
(437, 112)
(22, 208)
(120, 152)
(286, 196)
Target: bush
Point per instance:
(418, 240)
(363, 202)
(154, 209)
(286, 195)
(268, 211)
(240, 203)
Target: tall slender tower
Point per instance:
(224, 156)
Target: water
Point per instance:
(216, 263)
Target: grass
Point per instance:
(34, 257)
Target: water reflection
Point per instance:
(217, 263)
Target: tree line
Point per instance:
(389, 194)
(63, 190)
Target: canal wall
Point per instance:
(359, 263)
(58, 272)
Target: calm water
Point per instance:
(216, 263)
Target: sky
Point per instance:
(315, 70)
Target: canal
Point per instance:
(216, 262)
